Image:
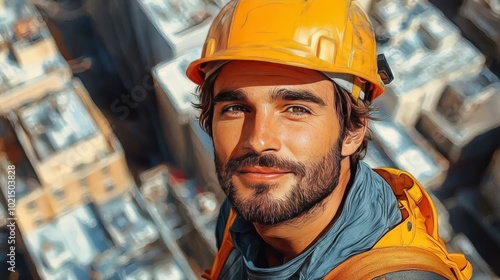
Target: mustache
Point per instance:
(269, 161)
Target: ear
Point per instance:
(354, 139)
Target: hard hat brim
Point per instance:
(296, 58)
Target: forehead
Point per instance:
(252, 74)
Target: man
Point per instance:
(285, 92)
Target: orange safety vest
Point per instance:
(414, 244)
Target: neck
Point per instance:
(289, 239)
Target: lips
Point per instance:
(261, 173)
(261, 170)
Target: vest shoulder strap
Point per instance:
(379, 261)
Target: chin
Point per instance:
(274, 187)
(266, 204)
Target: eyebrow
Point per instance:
(232, 95)
(293, 95)
(279, 94)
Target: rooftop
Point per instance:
(171, 76)
(153, 263)
(424, 42)
(126, 223)
(56, 122)
(183, 23)
(407, 154)
(21, 28)
(65, 248)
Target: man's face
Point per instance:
(276, 138)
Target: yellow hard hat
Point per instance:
(330, 36)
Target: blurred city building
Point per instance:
(440, 118)
(154, 263)
(422, 47)
(74, 193)
(188, 212)
(480, 21)
(466, 109)
(491, 186)
(72, 151)
(28, 53)
(407, 150)
(191, 148)
(167, 29)
(175, 95)
(66, 159)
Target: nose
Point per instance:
(262, 133)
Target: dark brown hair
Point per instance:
(352, 114)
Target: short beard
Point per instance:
(315, 182)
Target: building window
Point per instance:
(109, 185)
(85, 193)
(59, 194)
(38, 222)
(83, 183)
(105, 171)
(31, 205)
